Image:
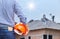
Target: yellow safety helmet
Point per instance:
(21, 29)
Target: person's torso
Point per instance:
(6, 12)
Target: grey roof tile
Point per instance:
(38, 24)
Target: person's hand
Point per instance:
(23, 22)
(10, 28)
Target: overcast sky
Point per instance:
(34, 9)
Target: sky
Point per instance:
(34, 9)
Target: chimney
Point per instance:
(44, 16)
(53, 17)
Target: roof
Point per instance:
(40, 24)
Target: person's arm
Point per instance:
(17, 10)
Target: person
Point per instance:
(7, 10)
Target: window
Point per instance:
(22, 38)
(47, 36)
(50, 36)
(29, 37)
(44, 36)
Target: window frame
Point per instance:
(48, 36)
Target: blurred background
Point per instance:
(34, 9)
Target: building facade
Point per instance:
(43, 29)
